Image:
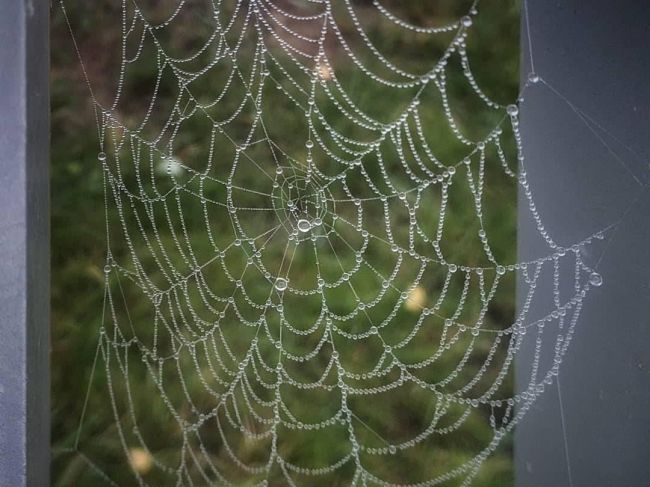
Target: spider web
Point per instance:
(295, 273)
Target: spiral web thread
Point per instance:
(226, 247)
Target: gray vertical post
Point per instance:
(587, 149)
(24, 244)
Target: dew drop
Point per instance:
(595, 279)
(466, 21)
(513, 110)
(392, 449)
(533, 78)
(101, 156)
(304, 225)
(281, 284)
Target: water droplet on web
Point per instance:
(533, 78)
(466, 21)
(513, 110)
(101, 156)
(392, 449)
(281, 284)
(304, 225)
(595, 279)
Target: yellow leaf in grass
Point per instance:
(417, 299)
(324, 71)
(141, 460)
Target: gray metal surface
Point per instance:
(587, 160)
(24, 244)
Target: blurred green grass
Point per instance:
(78, 236)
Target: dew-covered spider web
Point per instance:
(309, 248)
